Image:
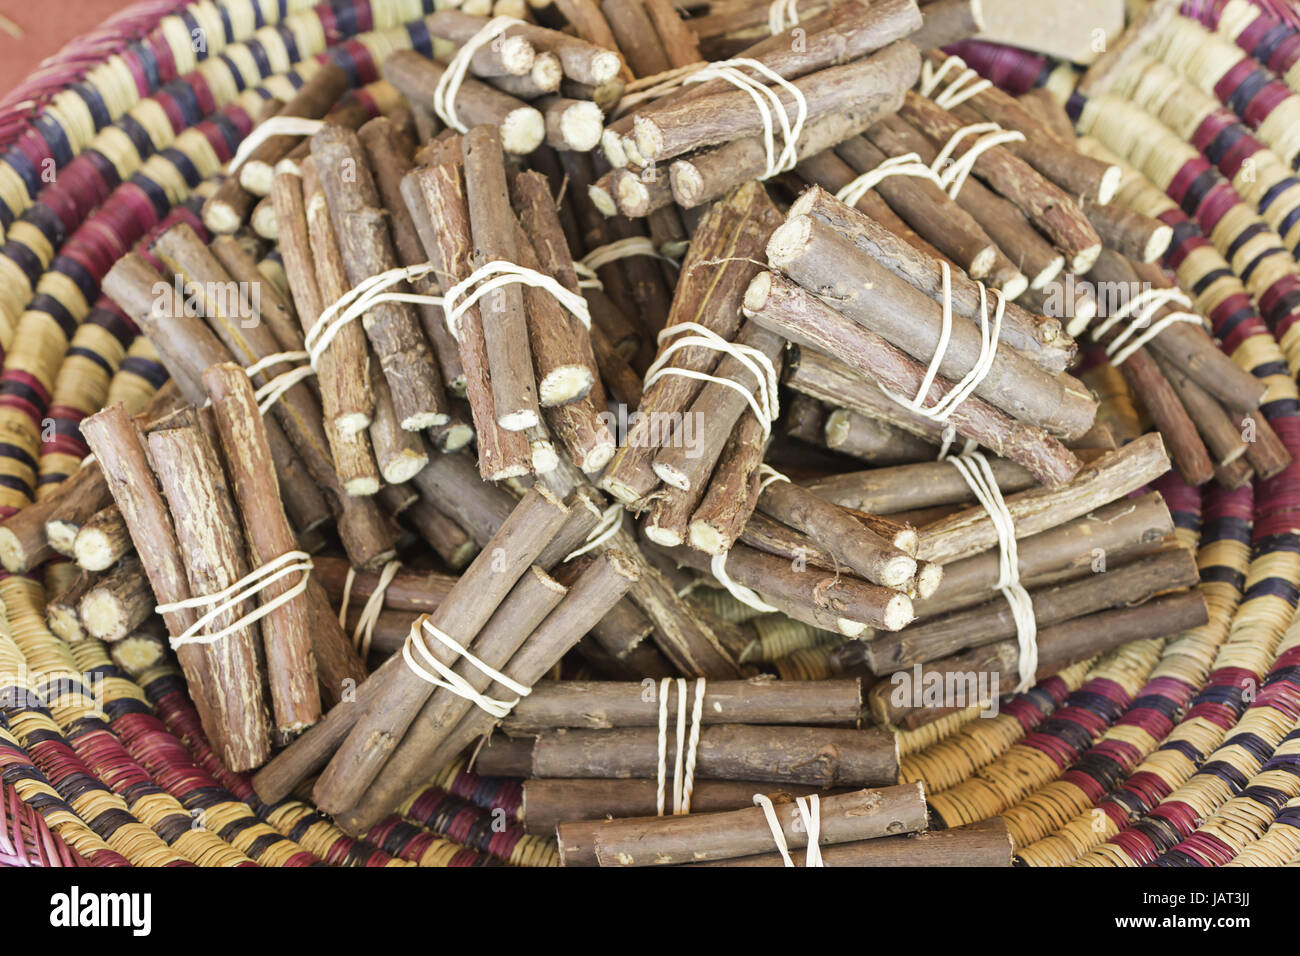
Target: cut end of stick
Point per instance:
(62, 536)
(568, 383)
(101, 615)
(631, 195)
(404, 467)
(849, 628)
(648, 137)
(256, 176)
(220, 217)
(456, 437)
(352, 422)
(704, 537)
(602, 200)
(837, 427)
(687, 183)
(543, 455)
(1085, 259)
(928, 578)
(671, 476)
(598, 456)
(604, 67)
(612, 145)
(982, 262)
(362, 487)
(93, 552)
(64, 622)
(1109, 184)
(759, 291)
(1015, 287)
(422, 420)
(522, 130)
(581, 126)
(898, 571)
(11, 552)
(264, 222)
(517, 55)
(517, 421)
(788, 241)
(1158, 243)
(898, 612)
(1049, 273)
(547, 74)
(667, 537)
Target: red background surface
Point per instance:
(47, 25)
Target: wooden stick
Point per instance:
(947, 21)
(834, 602)
(265, 300)
(603, 705)
(637, 39)
(732, 493)
(1119, 586)
(583, 61)
(307, 248)
(711, 174)
(522, 128)
(441, 533)
(189, 473)
(115, 603)
(102, 540)
(1113, 475)
(25, 543)
(399, 454)
(1110, 534)
(286, 640)
(771, 753)
(849, 432)
(186, 347)
(409, 590)
(680, 46)
(1058, 647)
(986, 843)
(1129, 232)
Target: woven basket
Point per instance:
(1180, 751)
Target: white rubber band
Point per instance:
(611, 520)
(363, 634)
(978, 474)
(965, 387)
(444, 94)
(954, 177)
(766, 403)
(357, 301)
(743, 594)
(782, 14)
(810, 810)
(443, 676)
(959, 90)
(768, 102)
(275, 126)
(229, 598)
(623, 249)
(909, 164)
(498, 273)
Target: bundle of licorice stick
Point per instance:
(668, 403)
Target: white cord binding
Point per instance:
(275, 126)
(443, 676)
(908, 164)
(444, 94)
(687, 746)
(782, 14)
(810, 811)
(230, 598)
(768, 103)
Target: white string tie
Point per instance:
(989, 339)
(361, 299)
(978, 474)
(275, 126)
(444, 94)
(443, 676)
(782, 14)
(499, 273)
(687, 746)
(954, 177)
(959, 90)
(766, 406)
(230, 598)
(1142, 307)
(363, 634)
(810, 811)
(611, 520)
(745, 595)
(623, 249)
(909, 164)
(768, 102)
(270, 392)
